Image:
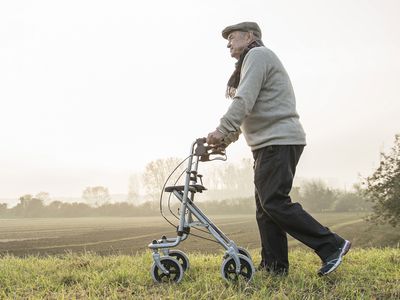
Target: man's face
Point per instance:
(237, 42)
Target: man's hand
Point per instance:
(215, 138)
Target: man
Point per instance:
(264, 109)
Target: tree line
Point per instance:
(315, 196)
(230, 191)
(32, 207)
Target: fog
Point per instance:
(93, 91)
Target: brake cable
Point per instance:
(165, 183)
(169, 207)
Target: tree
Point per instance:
(295, 194)
(232, 180)
(96, 195)
(29, 206)
(352, 201)
(3, 209)
(54, 209)
(157, 172)
(238, 179)
(316, 196)
(133, 189)
(44, 196)
(383, 187)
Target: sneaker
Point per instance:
(333, 261)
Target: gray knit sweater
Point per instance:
(264, 106)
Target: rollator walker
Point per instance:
(170, 265)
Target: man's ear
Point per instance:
(250, 36)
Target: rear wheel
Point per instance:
(244, 252)
(228, 269)
(181, 257)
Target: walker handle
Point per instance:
(205, 151)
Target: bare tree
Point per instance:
(134, 188)
(44, 196)
(156, 173)
(317, 196)
(231, 180)
(96, 195)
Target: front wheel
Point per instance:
(228, 269)
(174, 268)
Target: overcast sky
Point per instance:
(91, 91)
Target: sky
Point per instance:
(92, 91)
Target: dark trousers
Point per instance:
(274, 169)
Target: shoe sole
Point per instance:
(346, 248)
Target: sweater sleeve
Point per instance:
(252, 77)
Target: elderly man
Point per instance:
(264, 109)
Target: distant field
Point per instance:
(131, 235)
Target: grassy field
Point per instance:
(107, 236)
(365, 274)
(108, 258)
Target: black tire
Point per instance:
(172, 265)
(244, 252)
(228, 269)
(181, 258)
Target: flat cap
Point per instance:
(244, 26)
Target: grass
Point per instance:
(365, 274)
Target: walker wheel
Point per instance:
(181, 257)
(174, 268)
(244, 252)
(228, 269)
